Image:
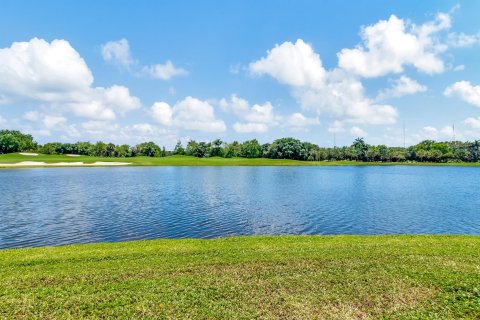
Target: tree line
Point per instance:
(284, 148)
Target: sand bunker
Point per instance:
(62, 164)
(28, 154)
(72, 155)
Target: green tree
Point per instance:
(149, 149)
(216, 149)
(123, 151)
(9, 143)
(250, 149)
(360, 149)
(23, 141)
(179, 149)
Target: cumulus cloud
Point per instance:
(51, 121)
(164, 71)
(250, 127)
(260, 117)
(389, 45)
(358, 132)
(465, 91)
(132, 133)
(472, 122)
(56, 74)
(335, 92)
(298, 120)
(43, 71)
(432, 133)
(336, 127)
(401, 87)
(190, 114)
(293, 64)
(118, 52)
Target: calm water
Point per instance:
(58, 206)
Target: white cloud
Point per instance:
(250, 127)
(164, 71)
(294, 64)
(32, 116)
(260, 117)
(401, 87)
(256, 118)
(462, 40)
(54, 73)
(43, 71)
(460, 67)
(162, 113)
(472, 122)
(261, 113)
(336, 127)
(118, 52)
(236, 105)
(391, 44)
(189, 114)
(132, 134)
(430, 132)
(358, 132)
(51, 121)
(119, 98)
(465, 91)
(334, 92)
(298, 120)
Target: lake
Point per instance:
(57, 206)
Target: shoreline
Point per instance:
(8, 161)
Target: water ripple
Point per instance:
(49, 206)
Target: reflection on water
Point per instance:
(55, 206)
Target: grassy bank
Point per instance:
(192, 161)
(332, 277)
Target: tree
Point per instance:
(51, 148)
(250, 149)
(123, 151)
(23, 142)
(110, 150)
(9, 143)
(179, 149)
(100, 149)
(216, 149)
(360, 149)
(232, 150)
(288, 148)
(149, 149)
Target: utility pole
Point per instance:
(453, 131)
(334, 140)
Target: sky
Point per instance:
(320, 71)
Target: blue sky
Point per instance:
(133, 71)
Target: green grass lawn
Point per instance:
(287, 277)
(192, 161)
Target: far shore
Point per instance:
(29, 160)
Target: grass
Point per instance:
(282, 277)
(192, 161)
